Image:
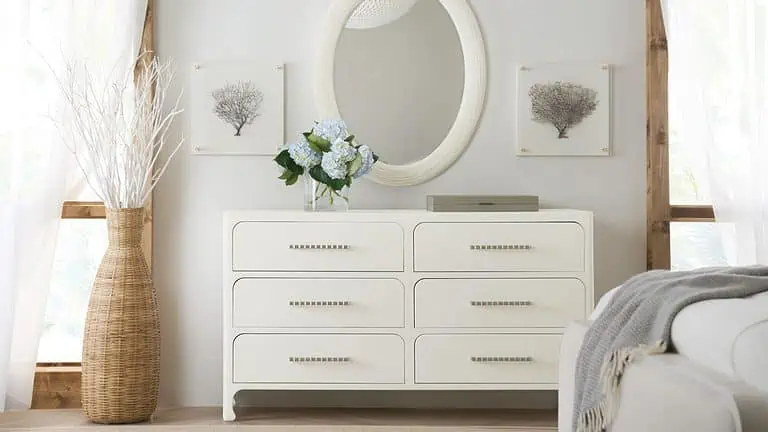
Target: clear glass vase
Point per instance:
(321, 197)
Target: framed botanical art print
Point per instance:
(564, 109)
(237, 108)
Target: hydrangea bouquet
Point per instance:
(329, 158)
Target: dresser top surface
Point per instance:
(544, 215)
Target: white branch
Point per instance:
(117, 133)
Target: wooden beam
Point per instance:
(56, 387)
(83, 210)
(657, 194)
(148, 47)
(692, 213)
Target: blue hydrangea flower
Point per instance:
(367, 155)
(303, 155)
(331, 130)
(345, 151)
(334, 166)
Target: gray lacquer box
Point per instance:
(482, 203)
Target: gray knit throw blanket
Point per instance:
(637, 322)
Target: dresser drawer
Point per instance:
(317, 246)
(319, 359)
(491, 247)
(487, 359)
(318, 303)
(499, 302)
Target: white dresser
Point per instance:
(401, 300)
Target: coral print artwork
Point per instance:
(563, 110)
(237, 108)
(562, 104)
(237, 104)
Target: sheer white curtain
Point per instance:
(719, 100)
(37, 172)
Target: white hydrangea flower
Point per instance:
(367, 155)
(334, 166)
(331, 130)
(303, 155)
(346, 152)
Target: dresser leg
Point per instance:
(228, 409)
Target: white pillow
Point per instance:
(603, 303)
(727, 335)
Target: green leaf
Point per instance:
(322, 144)
(350, 138)
(375, 158)
(315, 147)
(356, 163)
(307, 134)
(284, 160)
(318, 174)
(286, 174)
(348, 181)
(292, 180)
(321, 176)
(338, 185)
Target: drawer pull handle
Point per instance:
(319, 303)
(501, 359)
(319, 246)
(319, 359)
(500, 247)
(505, 303)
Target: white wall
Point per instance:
(196, 189)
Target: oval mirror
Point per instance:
(408, 80)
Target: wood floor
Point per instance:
(209, 419)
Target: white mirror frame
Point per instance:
(472, 101)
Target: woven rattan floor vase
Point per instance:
(121, 346)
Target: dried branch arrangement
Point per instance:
(117, 131)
